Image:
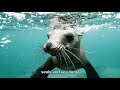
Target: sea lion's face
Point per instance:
(59, 40)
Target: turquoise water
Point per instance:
(22, 34)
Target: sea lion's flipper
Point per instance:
(48, 65)
(91, 72)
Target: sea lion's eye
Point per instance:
(69, 37)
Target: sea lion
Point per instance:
(66, 54)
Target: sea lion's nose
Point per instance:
(47, 46)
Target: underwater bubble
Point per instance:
(2, 18)
(104, 16)
(1, 27)
(30, 20)
(4, 38)
(118, 29)
(107, 12)
(18, 16)
(2, 45)
(1, 41)
(13, 35)
(6, 41)
(7, 36)
(41, 21)
(118, 16)
(4, 22)
(26, 26)
(85, 14)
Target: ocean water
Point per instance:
(23, 33)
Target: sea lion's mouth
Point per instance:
(56, 50)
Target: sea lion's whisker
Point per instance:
(39, 47)
(39, 44)
(38, 50)
(82, 50)
(69, 59)
(76, 57)
(36, 55)
(64, 52)
(59, 47)
(60, 58)
(65, 59)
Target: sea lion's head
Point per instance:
(59, 40)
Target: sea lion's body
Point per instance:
(66, 54)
